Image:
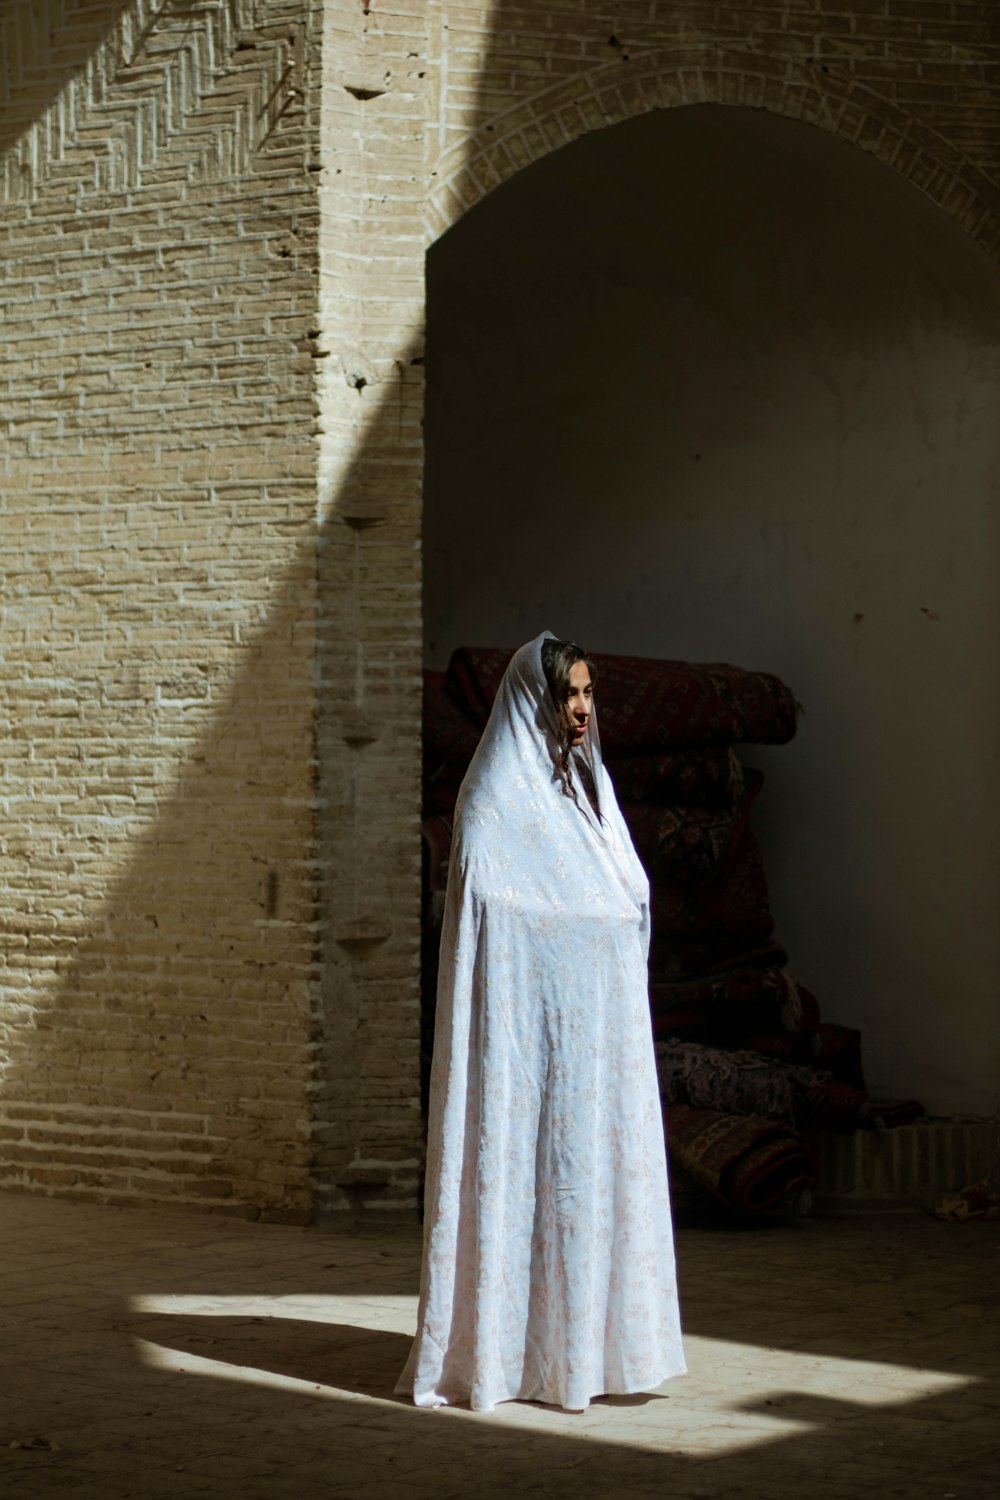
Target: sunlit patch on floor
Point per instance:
(736, 1395)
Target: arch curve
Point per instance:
(668, 77)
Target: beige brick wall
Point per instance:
(371, 400)
(214, 219)
(158, 542)
(913, 81)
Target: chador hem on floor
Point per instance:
(548, 1269)
(478, 1402)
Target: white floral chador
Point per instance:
(548, 1261)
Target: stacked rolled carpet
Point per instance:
(746, 1062)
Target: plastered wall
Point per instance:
(716, 385)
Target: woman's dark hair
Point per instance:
(558, 660)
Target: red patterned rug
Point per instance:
(745, 1162)
(649, 706)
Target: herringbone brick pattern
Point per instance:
(97, 96)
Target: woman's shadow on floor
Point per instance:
(342, 1356)
(363, 1361)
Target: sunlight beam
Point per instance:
(717, 1408)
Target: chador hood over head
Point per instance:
(548, 1267)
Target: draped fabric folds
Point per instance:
(548, 1262)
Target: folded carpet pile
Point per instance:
(746, 1062)
(744, 1161)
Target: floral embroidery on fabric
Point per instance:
(548, 1261)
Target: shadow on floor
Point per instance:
(829, 1359)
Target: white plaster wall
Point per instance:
(716, 385)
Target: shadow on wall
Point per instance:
(50, 42)
(167, 1034)
(170, 1060)
(177, 1047)
(201, 957)
(160, 996)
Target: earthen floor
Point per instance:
(154, 1353)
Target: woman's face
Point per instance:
(579, 702)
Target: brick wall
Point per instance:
(159, 250)
(369, 656)
(913, 81)
(214, 220)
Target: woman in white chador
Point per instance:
(548, 1260)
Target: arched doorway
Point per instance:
(714, 384)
